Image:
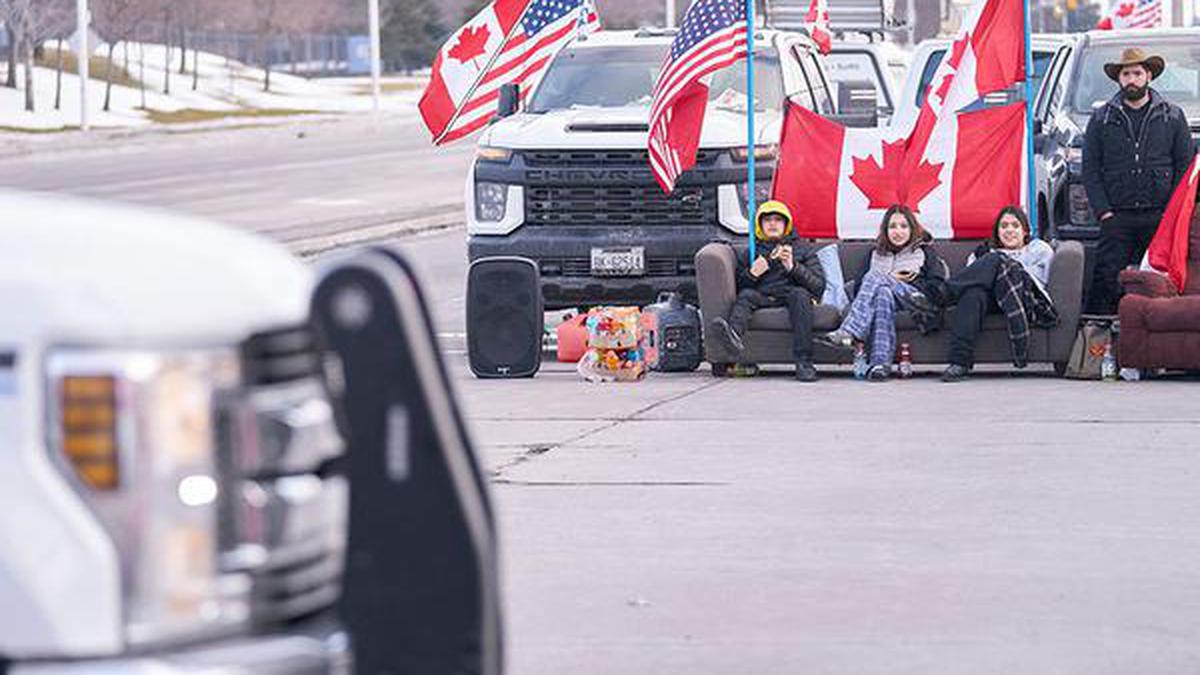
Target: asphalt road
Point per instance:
(689, 525)
(288, 181)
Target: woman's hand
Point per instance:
(906, 276)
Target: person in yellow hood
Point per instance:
(784, 273)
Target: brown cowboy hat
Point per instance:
(1135, 56)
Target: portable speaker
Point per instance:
(421, 589)
(505, 318)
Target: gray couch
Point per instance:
(769, 337)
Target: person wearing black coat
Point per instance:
(1136, 150)
(785, 273)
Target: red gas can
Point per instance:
(572, 339)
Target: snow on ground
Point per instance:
(224, 86)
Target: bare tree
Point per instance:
(31, 22)
(117, 21)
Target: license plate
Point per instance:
(619, 262)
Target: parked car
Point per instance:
(928, 56)
(1075, 85)
(866, 59)
(564, 180)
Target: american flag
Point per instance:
(1133, 14)
(712, 37)
(545, 28)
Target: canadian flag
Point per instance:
(1168, 251)
(843, 180)
(955, 169)
(464, 59)
(817, 23)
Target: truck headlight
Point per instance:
(491, 202)
(138, 432)
(1077, 202)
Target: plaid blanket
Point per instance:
(1024, 304)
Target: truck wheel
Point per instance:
(722, 370)
(1060, 368)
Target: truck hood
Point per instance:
(618, 128)
(80, 272)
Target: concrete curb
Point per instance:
(371, 232)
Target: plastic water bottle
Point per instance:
(906, 366)
(860, 363)
(1108, 367)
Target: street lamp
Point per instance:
(83, 24)
(669, 12)
(376, 49)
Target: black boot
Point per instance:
(728, 337)
(805, 372)
(955, 373)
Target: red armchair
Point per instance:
(1160, 327)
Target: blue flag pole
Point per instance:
(1031, 185)
(751, 145)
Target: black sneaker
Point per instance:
(955, 373)
(879, 374)
(805, 372)
(728, 337)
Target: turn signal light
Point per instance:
(89, 429)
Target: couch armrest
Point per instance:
(716, 283)
(1066, 290)
(1149, 284)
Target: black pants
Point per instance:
(1124, 239)
(800, 307)
(973, 290)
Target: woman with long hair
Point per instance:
(903, 265)
(974, 287)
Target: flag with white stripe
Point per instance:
(508, 42)
(711, 37)
(1133, 14)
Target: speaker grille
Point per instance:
(504, 317)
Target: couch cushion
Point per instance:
(1165, 315)
(825, 318)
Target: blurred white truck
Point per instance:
(163, 448)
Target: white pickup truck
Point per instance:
(163, 430)
(563, 179)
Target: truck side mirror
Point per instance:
(510, 100)
(421, 587)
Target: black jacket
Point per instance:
(777, 281)
(1122, 172)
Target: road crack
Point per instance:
(539, 450)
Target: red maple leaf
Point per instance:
(890, 184)
(472, 42)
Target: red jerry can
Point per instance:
(572, 339)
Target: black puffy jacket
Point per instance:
(778, 281)
(1123, 172)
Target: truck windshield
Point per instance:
(1179, 83)
(1041, 62)
(616, 77)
